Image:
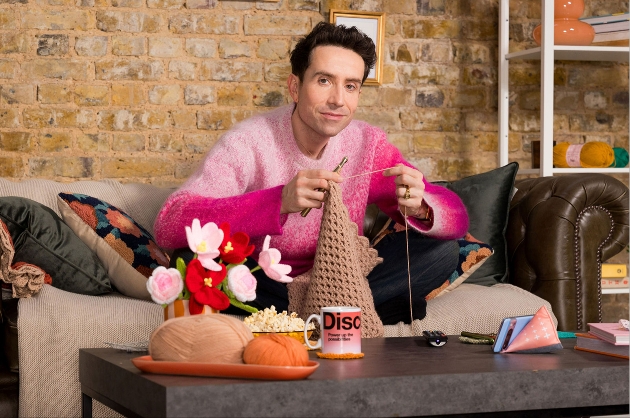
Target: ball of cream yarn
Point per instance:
(212, 338)
(275, 350)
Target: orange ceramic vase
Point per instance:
(180, 308)
(567, 29)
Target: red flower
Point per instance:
(202, 285)
(234, 249)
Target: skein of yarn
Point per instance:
(593, 154)
(275, 350)
(200, 339)
(621, 157)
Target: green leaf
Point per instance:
(181, 267)
(241, 305)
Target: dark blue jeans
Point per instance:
(431, 261)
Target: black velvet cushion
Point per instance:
(487, 198)
(40, 237)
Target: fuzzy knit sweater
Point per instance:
(241, 178)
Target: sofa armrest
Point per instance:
(53, 325)
(559, 231)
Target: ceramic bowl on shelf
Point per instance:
(568, 32)
(568, 9)
(567, 28)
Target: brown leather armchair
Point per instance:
(559, 231)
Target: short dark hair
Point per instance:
(328, 34)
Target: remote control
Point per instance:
(435, 338)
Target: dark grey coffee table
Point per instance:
(397, 377)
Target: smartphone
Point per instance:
(509, 329)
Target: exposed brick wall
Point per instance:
(138, 90)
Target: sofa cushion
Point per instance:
(40, 237)
(487, 198)
(127, 250)
(473, 308)
(472, 254)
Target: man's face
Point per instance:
(329, 93)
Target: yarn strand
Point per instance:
(406, 245)
(369, 172)
(408, 267)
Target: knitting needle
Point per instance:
(337, 169)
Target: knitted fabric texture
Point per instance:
(343, 259)
(26, 279)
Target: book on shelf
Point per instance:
(615, 283)
(610, 271)
(592, 344)
(612, 27)
(611, 18)
(618, 42)
(611, 332)
(611, 36)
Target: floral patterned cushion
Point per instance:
(125, 248)
(472, 254)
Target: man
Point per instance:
(267, 169)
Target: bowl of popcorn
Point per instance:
(269, 321)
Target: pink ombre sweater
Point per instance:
(241, 180)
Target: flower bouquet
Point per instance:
(217, 255)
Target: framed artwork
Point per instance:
(373, 25)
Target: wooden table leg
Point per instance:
(86, 406)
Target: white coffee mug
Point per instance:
(340, 330)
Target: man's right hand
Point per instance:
(301, 192)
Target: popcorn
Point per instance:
(268, 320)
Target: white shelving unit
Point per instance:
(614, 291)
(547, 53)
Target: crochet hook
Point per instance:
(337, 169)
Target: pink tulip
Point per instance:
(165, 285)
(205, 242)
(242, 283)
(269, 261)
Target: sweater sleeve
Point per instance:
(450, 218)
(256, 213)
(222, 190)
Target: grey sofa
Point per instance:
(51, 326)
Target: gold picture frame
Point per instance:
(373, 25)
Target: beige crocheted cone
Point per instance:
(342, 261)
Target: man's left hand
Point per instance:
(409, 190)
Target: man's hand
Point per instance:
(301, 192)
(411, 203)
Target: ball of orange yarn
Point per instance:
(594, 154)
(212, 338)
(275, 350)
